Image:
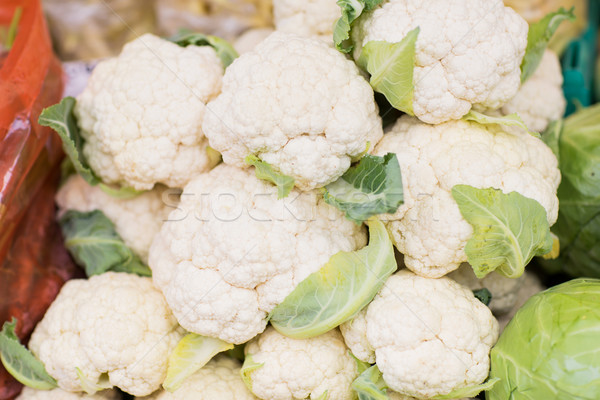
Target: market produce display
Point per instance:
(361, 199)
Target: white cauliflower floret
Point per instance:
(59, 394)
(301, 368)
(233, 251)
(297, 104)
(114, 326)
(431, 336)
(429, 228)
(540, 99)
(468, 52)
(141, 113)
(248, 40)
(306, 18)
(355, 336)
(136, 219)
(504, 290)
(218, 380)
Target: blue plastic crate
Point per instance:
(578, 63)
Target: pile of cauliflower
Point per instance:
(225, 250)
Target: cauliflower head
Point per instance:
(136, 219)
(233, 251)
(530, 286)
(301, 368)
(219, 379)
(298, 105)
(540, 99)
(248, 40)
(355, 336)
(113, 326)
(141, 113)
(504, 290)
(306, 18)
(59, 394)
(430, 336)
(429, 228)
(468, 52)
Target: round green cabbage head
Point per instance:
(576, 143)
(551, 348)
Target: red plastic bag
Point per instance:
(33, 261)
(30, 79)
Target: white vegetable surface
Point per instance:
(137, 219)
(540, 99)
(301, 368)
(112, 326)
(468, 52)
(307, 18)
(297, 104)
(141, 113)
(531, 285)
(429, 336)
(504, 290)
(219, 379)
(248, 40)
(429, 228)
(233, 251)
(59, 394)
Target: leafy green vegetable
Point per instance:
(91, 387)
(248, 367)
(538, 37)
(60, 117)
(551, 136)
(265, 171)
(223, 48)
(576, 141)
(549, 350)
(373, 186)
(93, 242)
(469, 391)
(391, 67)
(370, 385)
(340, 289)
(120, 192)
(508, 230)
(483, 295)
(506, 120)
(191, 353)
(19, 361)
(351, 10)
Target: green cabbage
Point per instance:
(576, 143)
(550, 349)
